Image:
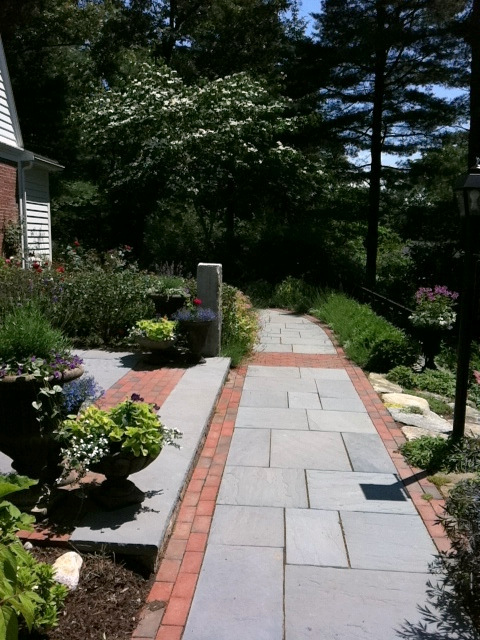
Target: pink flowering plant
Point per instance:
(434, 308)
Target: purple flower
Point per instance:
(135, 397)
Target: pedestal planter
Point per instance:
(117, 491)
(154, 345)
(166, 305)
(29, 442)
(431, 339)
(196, 332)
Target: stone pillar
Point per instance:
(209, 290)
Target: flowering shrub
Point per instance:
(131, 426)
(434, 308)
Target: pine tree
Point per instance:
(383, 58)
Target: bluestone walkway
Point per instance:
(296, 523)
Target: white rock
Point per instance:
(412, 433)
(399, 400)
(431, 422)
(28, 546)
(382, 385)
(66, 569)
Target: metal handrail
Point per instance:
(394, 312)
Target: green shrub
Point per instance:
(426, 452)
(239, 324)
(404, 376)
(98, 307)
(439, 381)
(462, 525)
(293, 294)
(434, 453)
(369, 340)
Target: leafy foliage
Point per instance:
(161, 329)
(29, 594)
(368, 339)
(440, 381)
(131, 426)
(239, 324)
(434, 453)
(293, 294)
(462, 524)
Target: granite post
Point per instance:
(209, 290)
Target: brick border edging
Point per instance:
(168, 604)
(427, 499)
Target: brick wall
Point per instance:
(8, 196)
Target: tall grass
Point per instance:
(26, 332)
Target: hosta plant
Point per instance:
(29, 595)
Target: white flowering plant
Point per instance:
(132, 426)
(222, 141)
(434, 308)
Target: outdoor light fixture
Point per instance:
(467, 191)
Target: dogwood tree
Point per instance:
(217, 150)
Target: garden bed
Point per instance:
(106, 603)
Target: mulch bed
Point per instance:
(106, 603)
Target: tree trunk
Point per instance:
(474, 42)
(376, 151)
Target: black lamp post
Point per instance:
(467, 191)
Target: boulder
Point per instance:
(430, 422)
(412, 433)
(66, 569)
(381, 385)
(403, 400)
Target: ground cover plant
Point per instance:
(434, 381)
(437, 453)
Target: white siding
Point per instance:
(9, 127)
(7, 132)
(38, 213)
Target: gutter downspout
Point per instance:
(23, 165)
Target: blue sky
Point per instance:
(309, 6)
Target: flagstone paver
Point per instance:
(312, 532)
